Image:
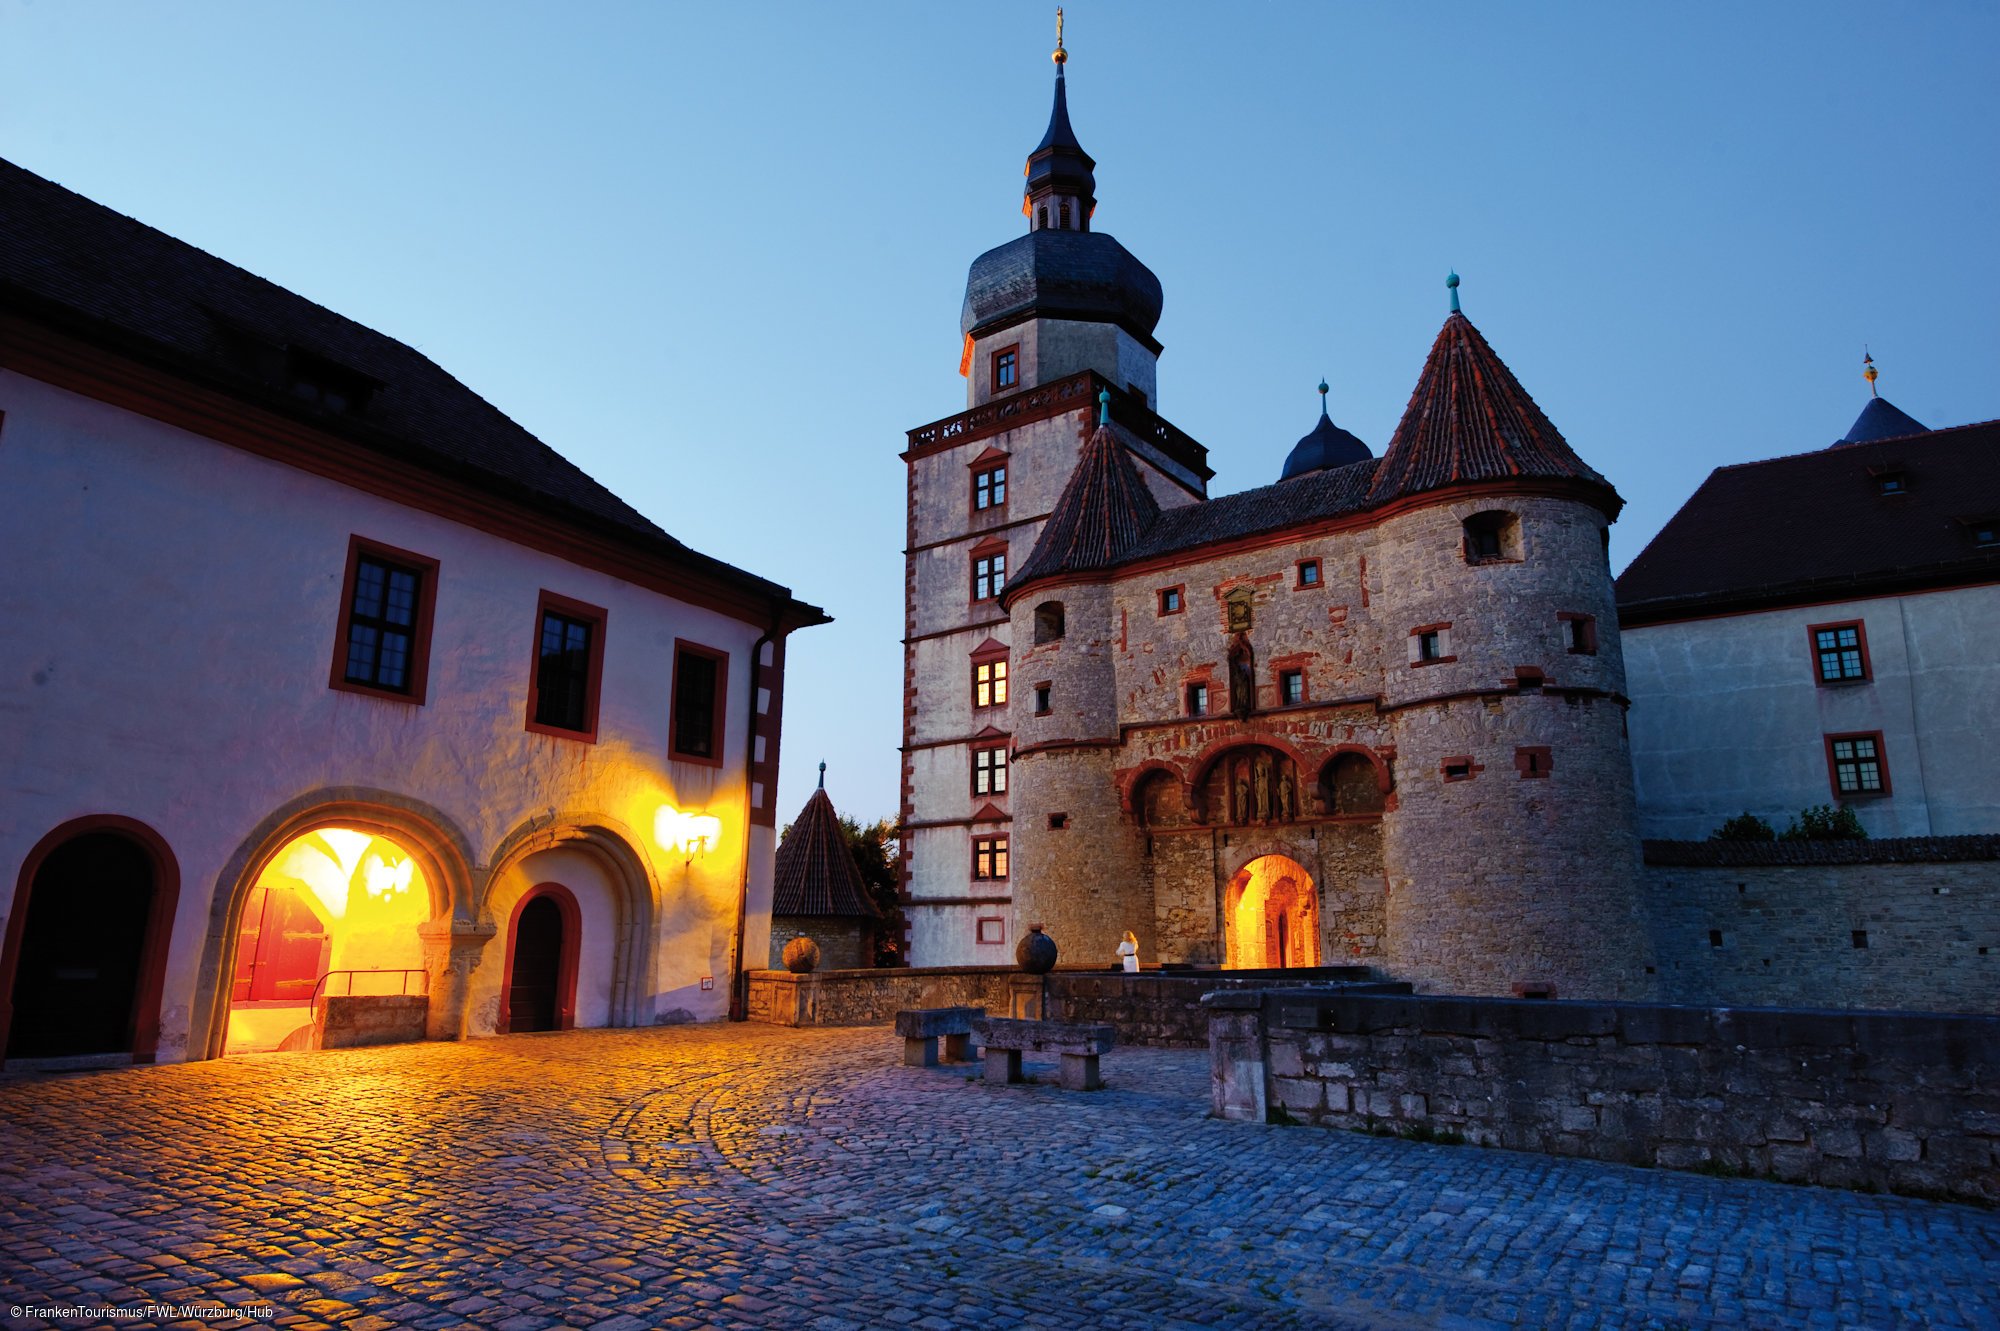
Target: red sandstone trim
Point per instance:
(1881, 763)
(145, 1023)
(1860, 628)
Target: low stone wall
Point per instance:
(1151, 1007)
(1909, 923)
(1164, 1007)
(348, 1022)
(1906, 1102)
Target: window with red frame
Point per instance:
(989, 487)
(569, 661)
(385, 622)
(1007, 369)
(1857, 765)
(1579, 634)
(989, 576)
(1840, 652)
(989, 683)
(989, 770)
(1309, 573)
(989, 857)
(696, 725)
(1170, 601)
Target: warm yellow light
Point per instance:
(387, 879)
(689, 833)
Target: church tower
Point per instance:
(1053, 320)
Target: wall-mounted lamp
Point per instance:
(691, 834)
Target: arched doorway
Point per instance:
(334, 913)
(539, 990)
(1271, 916)
(95, 905)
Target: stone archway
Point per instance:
(1271, 916)
(451, 940)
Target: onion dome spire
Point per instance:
(1061, 191)
(1325, 447)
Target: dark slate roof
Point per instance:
(1879, 420)
(1274, 507)
(75, 264)
(1084, 275)
(1104, 511)
(1816, 526)
(1470, 420)
(1325, 447)
(815, 873)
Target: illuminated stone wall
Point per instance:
(186, 598)
(1522, 872)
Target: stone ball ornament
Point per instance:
(1036, 952)
(801, 956)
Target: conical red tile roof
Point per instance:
(1102, 516)
(1470, 420)
(815, 872)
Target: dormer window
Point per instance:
(322, 382)
(1984, 532)
(1893, 483)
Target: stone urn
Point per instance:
(1036, 952)
(801, 956)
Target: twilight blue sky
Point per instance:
(715, 253)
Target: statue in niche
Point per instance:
(1239, 809)
(1286, 795)
(1242, 676)
(1261, 784)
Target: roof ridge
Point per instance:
(1842, 447)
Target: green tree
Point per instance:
(1824, 822)
(1744, 827)
(874, 847)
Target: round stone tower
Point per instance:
(1513, 857)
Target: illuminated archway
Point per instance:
(1271, 916)
(334, 911)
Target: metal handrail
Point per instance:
(403, 987)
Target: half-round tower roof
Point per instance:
(1325, 446)
(815, 872)
(1082, 275)
(1470, 420)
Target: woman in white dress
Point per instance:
(1128, 951)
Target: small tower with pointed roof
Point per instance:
(817, 892)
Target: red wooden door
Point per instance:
(281, 953)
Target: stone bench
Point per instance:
(921, 1027)
(1079, 1043)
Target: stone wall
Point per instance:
(844, 944)
(1911, 923)
(1150, 1008)
(1898, 1101)
(350, 1022)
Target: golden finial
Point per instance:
(1869, 373)
(1061, 57)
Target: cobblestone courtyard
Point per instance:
(754, 1176)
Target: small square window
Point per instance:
(989, 488)
(1892, 482)
(1291, 686)
(1840, 653)
(1058, 821)
(1309, 573)
(1458, 769)
(1042, 694)
(1715, 938)
(1430, 646)
(1579, 634)
(992, 929)
(1170, 601)
(989, 858)
(1983, 531)
(989, 770)
(1197, 700)
(1857, 764)
(989, 684)
(1007, 369)
(1860, 937)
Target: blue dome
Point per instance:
(1326, 447)
(1879, 420)
(1055, 274)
